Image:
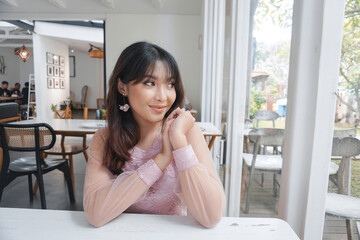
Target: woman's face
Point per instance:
(151, 98)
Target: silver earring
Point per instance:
(124, 107)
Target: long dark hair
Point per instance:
(131, 67)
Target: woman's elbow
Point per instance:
(211, 221)
(95, 219)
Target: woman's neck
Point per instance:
(148, 134)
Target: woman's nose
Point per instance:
(161, 93)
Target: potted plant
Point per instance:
(53, 107)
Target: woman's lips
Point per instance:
(158, 108)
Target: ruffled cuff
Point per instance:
(149, 172)
(185, 158)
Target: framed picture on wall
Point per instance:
(62, 83)
(50, 83)
(62, 72)
(56, 60)
(50, 70)
(49, 58)
(56, 83)
(72, 66)
(62, 61)
(56, 71)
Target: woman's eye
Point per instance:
(148, 83)
(171, 85)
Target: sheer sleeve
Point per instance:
(106, 196)
(199, 185)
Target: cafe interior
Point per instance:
(66, 50)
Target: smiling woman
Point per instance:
(152, 158)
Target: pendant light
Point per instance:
(23, 53)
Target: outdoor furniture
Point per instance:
(30, 138)
(265, 115)
(346, 207)
(341, 205)
(251, 162)
(82, 102)
(60, 225)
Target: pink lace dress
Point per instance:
(188, 183)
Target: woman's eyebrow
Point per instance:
(150, 76)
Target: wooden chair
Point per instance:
(342, 205)
(265, 115)
(255, 161)
(63, 114)
(67, 150)
(30, 138)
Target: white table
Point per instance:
(16, 223)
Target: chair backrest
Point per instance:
(83, 93)
(345, 147)
(265, 115)
(348, 132)
(100, 103)
(27, 137)
(267, 136)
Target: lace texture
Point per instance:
(160, 197)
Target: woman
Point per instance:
(152, 158)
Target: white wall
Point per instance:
(88, 71)
(16, 69)
(44, 96)
(178, 34)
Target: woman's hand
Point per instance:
(165, 157)
(183, 121)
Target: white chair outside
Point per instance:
(265, 115)
(251, 162)
(342, 205)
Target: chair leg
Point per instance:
(30, 188)
(71, 166)
(65, 169)
(85, 155)
(274, 186)
(349, 229)
(248, 192)
(42, 190)
(36, 185)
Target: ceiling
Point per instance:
(94, 10)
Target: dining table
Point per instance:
(90, 126)
(39, 224)
(9, 98)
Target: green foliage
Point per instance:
(53, 107)
(257, 100)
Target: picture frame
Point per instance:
(62, 72)
(56, 60)
(49, 58)
(62, 83)
(50, 82)
(72, 66)
(56, 71)
(50, 70)
(62, 61)
(56, 83)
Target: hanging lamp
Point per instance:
(23, 53)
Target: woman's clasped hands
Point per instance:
(175, 129)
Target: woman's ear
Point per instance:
(122, 88)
